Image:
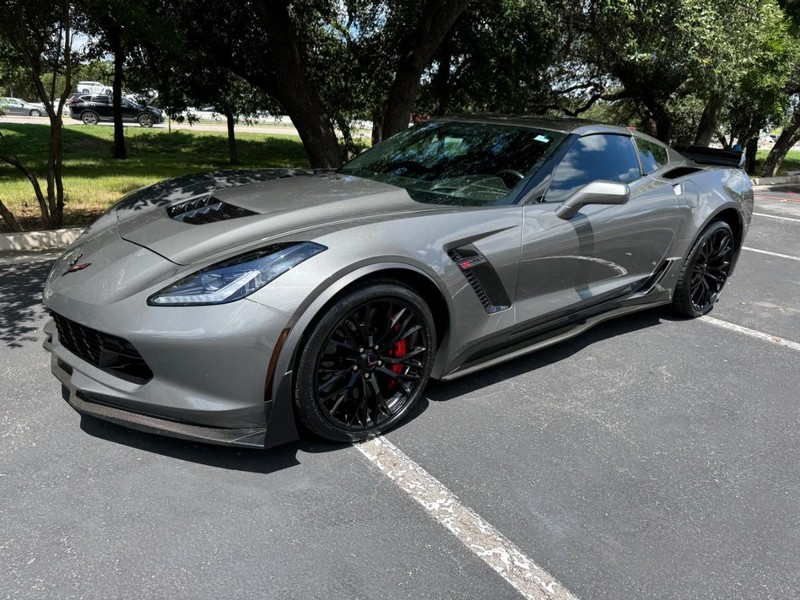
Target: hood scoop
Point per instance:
(206, 209)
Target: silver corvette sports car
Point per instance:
(232, 308)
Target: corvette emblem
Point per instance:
(74, 268)
(72, 264)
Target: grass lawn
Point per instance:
(93, 180)
(790, 163)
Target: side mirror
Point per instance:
(596, 192)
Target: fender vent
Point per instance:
(206, 209)
(482, 277)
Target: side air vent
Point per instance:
(482, 278)
(680, 172)
(206, 209)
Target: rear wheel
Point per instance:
(705, 271)
(90, 118)
(365, 363)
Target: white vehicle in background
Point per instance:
(91, 87)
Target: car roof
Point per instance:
(561, 124)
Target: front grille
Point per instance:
(110, 353)
(206, 209)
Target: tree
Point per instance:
(663, 52)
(497, 58)
(41, 46)
(117, 28)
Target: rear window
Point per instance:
(653, 156)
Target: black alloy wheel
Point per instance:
(366, 363)
(705, 271)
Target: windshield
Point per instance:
(461, 163)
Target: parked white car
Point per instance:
(91, 87)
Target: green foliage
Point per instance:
(95, 181)
(670, 54)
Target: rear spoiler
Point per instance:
(712, 156)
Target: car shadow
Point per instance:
(443, 391)
(286, 456)
(21, 306)
(234, 459)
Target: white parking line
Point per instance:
(776, 217)
(771, 253)
(774, 339)
(480, 537)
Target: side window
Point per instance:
(592, 157)
(653, 156)
(100, 99)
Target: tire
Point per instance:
(146, 120)
(705, 271)
(84, 91)
(90, 118)
(365, 363)
(35, 113)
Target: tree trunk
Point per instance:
(233, 155)
(708, 121)
(9, 218)
(441, 81)
(750, 151)
(377, 126)
(788, 138)
(293, 88)
(55, 184)
(114, 34)
(347, 136)
(417, 50)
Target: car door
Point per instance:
(102, 106)
(130, 111)
(15, 107)
(603, 251)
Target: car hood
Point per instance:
(291, 204)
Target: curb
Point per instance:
(784, 180)
(38, 240)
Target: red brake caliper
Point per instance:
(398, 350)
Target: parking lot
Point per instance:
(652, 457)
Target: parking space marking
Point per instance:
(471, 529)
(767, 337)
(776, 217)
(770, 253)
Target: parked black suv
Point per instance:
(91, 109)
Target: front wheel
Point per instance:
(146, 120)
(90, 118)
(365, 363)
(35, 113)
(705, 271)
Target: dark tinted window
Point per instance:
(462, 163)
(593, 157)
(654, 156)
(98, 99)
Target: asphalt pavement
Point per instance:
(653, 457)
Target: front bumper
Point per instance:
(212, 402)
(253, 437)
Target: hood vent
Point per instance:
(206, 209)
